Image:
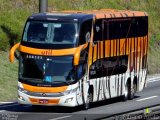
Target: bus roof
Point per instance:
(70, 15)
(61, 16)
(108, 13)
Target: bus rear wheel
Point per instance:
(129, 92)
(132, 91)
(125, 96)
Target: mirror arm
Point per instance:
(77, 54)
(12, 51)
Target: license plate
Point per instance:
(43, 101)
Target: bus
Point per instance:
(71, 58)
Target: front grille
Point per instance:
(36, 94)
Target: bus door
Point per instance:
(82, 68)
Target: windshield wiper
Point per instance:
(25, 78)
(62, 82)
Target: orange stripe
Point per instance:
(112, 48)
(107, 48)
(44, 89)
(47, 52)
(95, 53)
(101, 49)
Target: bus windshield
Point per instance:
(50, 32)
(47, 70)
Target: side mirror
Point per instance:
(78, 54)
(12, 53)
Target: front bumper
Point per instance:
(66, 100)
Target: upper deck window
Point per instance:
(50, 32)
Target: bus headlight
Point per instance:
(69, 91)
(69, 100)
(21, 98)
(22, 90)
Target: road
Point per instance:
(149, 97)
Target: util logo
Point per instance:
(46, 52)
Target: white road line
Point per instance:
(6, 102)
(153, 80)
(2, 111)
(4, 106)
(146, 98)
(61, 117)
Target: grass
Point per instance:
(8, 78)
(154, 59)
(14, 14)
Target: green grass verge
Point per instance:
(8, 78)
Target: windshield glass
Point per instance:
(41, 69)
(50, 32)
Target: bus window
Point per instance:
(41, 70)
(119, 29)
(85, 32)
(36, 32)
(128, 28)
(109, 66)
(98, 30)
(65, 33)
(50, 32)
(139, 27)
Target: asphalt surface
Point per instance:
(149, 97)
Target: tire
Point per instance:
(87, 105)
(132, 91)
(125, 96)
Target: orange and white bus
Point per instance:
(73, 58)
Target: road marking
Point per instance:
(6, 102)
(61, 117)
(2, 111)
(146, 98)
(153, 80)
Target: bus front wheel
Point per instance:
(88, 101)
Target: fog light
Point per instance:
(21, 98)
(69, 100)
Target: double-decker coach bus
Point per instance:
(72, 58)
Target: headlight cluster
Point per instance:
(69, 91)
(22, 90)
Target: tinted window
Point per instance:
(98, 30)
(50, 32)
(85, 32)
(108, 29)
(109, 66)
(126, 28)
(47, 69)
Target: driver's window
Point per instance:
(98, 30)
(85, 32)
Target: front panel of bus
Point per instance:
(47, 75)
